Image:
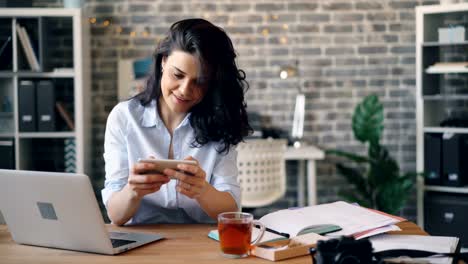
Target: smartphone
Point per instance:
(162, 164)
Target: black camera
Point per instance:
(344, 250)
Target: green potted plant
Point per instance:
(377, 179)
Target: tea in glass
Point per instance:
(235, 233)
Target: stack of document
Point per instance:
(335, 219)
(291, 232)
(354, 220)
(439, 244)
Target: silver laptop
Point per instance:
(59, 210)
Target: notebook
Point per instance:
(351, 219)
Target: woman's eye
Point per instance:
(178, 76)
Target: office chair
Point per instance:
(262, 175)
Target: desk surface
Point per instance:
(184, 244)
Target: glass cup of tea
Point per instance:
(235, 233)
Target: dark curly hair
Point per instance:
(221, 116)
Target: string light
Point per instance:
(107, 22)
(288, 71)
(283, 74)
(283, 40)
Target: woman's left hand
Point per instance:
(192, 182)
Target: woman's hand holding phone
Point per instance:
(192, 178)
(144, 179)
(159, 165)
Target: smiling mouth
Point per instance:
(181, 99)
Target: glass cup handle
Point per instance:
(262, 232)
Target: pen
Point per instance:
(286, 235)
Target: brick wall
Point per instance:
(346, 49)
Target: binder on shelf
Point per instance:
(455, 167)
(7, 152)
(65, 115)
(27, 48)
(45, 100)
(27, 106)
(433, 158)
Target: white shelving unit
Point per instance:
(60, 38)
(437, 98)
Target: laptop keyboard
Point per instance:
(120, 242)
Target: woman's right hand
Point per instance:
(144, 180)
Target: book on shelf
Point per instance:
(65, 115)
(4, 45)
(445, 67)
(65, 70)
(27, 48)
(6, 53)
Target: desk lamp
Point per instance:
(297, 131)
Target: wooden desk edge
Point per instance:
(409, 228)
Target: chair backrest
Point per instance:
(262, 175)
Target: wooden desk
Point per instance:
(184, 244)
(301, 154)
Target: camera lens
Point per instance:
(346, 259)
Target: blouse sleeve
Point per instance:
(224, 177)
(115, 154)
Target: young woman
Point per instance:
(192, 108)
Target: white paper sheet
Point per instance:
(351, 218)
(438, 244)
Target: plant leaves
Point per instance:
(353, 197)
(394, 194)
(378, 185)
(368, 120)
(383, 168)
(399, 188)
(348, 155)
(354, 176)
